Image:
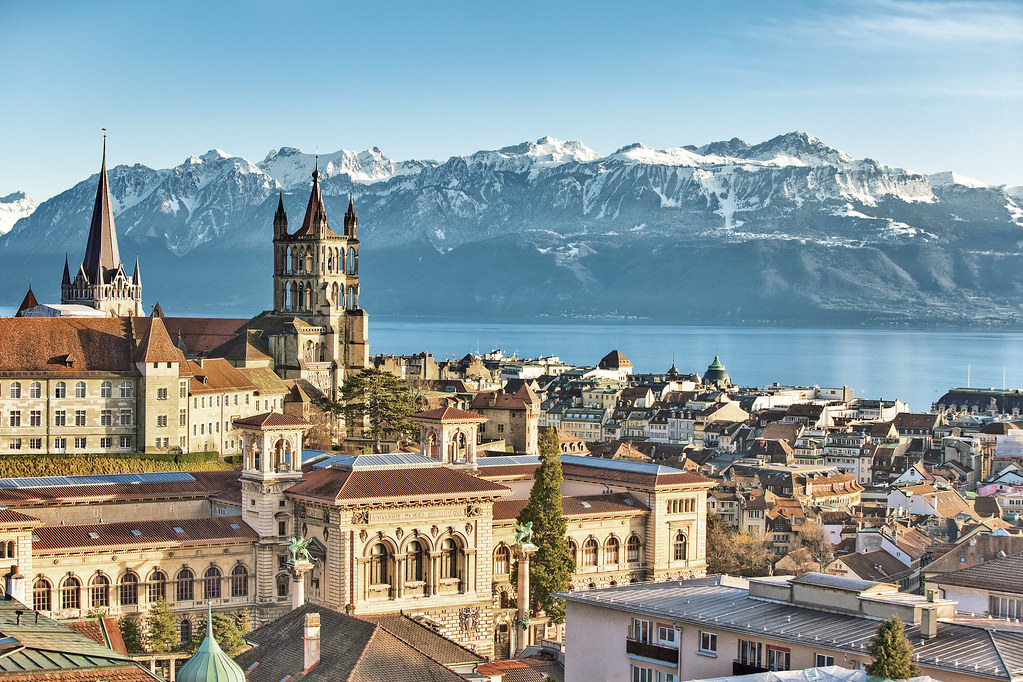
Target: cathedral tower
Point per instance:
(101, 281)
(316, 285)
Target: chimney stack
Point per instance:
(311, 638)
(15, 585)
(929, 622)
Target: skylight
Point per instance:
(94, 536)
(178, 529)
(136, 532)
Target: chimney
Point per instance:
(311, 638)
(15, 585)
(929, 622)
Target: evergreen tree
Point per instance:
(226, 630)
(131, 635)
(891, 651)
(162, 634)
(380, 401)
(551, 566)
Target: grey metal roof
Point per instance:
(507, 460)
(620, 465)
(390, 460)
(96, 479)
(836, 582)
(724, 603)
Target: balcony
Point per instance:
(652, 651)
(739, 668)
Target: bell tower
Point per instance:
(316, 282)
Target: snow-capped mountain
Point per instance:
(553, 227)
(13, 208)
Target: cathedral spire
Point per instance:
(315, 214)
(136, 278)
(101, 250)
(66, 282)
(351, 219)
(280, 218)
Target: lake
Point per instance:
(915, 366)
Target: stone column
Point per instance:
(298, 569)
(523, 631)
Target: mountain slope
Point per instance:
(787, 230)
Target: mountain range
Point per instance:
(788, 231)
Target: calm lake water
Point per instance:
(915, 366)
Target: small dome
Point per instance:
(614, 360)
(716, 374)
(210, 663)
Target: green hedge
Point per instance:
(18, 466)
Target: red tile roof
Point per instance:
(9, 517)
(216, 375)
(429, 483)
(448, 414)
(272, 419)
(156, 345)
(207, 531)
(202, 334)
(581, 505)
(43, 344)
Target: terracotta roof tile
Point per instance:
(10, 517)
(42, 344)
(201, 335)
(216, 375)
(581, 505)
(425, 640)
(1002, 575)
(351, 486)
(156, 345)
(448, 414)
(138, 533)
(272, 419)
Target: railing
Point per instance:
(739, 668)
(652, 651)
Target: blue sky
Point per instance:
(928, 86)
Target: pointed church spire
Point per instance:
(351, 219)
(28, 302)
(315, 214)
(136, 278)
(280, 218)
(66, 281)
(101, 250)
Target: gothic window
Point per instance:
(129, 589)
(157, 585)
(211, 583)
(41, 595)
(240, 581)
(378, 565)
(611, 553)
(287, 261)
(414, 562)
(501, 560)
(590, 552)
(100, 591)
(632, 549)
(680, 547)
(309, 261)
(448, 559)
(186, 585)
(351, 298)
(79, 389)
(330, 260)
(351, 260)
(71, 593)
(573, 551)
(343, 262)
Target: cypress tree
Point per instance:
(161, 631)
(551, 566)
(891, 651)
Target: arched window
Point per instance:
(240, 581)
(59, 391)
(105, 390)
(611, 547)
(79, 389)
(185, 629)
(71, 593)
(41, 595)
(448, 559)
(378, 565)
(16, 389)
(157, 585)
(7, 550)
(680, 547)
(211, 583)
(573, 551)
(632, 549)
(351, 298)
(590, 552)
(100, 591)
(415, 566)
(351, 261)
(129, 589)
(186, 585)
(34, 390)
(502, 562)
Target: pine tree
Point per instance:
(161, 633)
(226, 630)
(380, 400)
(551, 566)
(891, 651)
(131, 635)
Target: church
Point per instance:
(429, 533)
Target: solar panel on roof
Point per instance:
(235, 526)
(96, 479)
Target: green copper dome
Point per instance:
(716, 365)
(210, 663)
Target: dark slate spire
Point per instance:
(280, 217)
(28, 302)
(66, 282)
(101, 251)
(351, 220)
(136, 278)
(315, 214)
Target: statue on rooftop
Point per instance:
(523, 533)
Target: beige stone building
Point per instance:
(512, 415)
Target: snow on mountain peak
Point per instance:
(292, 168)
(13, 208)
(797, 149)
(946, 178)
